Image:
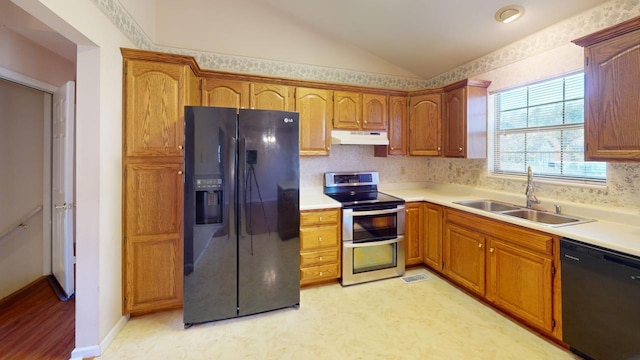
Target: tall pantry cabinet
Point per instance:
(155, 93)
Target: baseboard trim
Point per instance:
(85, 352)
(97, 350)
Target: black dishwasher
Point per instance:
(600, 301)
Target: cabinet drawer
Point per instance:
(319, 273)
(318, 237)
(322, 217)
(318, 258)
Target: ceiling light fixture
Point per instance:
(509, 13)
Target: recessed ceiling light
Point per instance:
(509, 13)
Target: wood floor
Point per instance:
(35, 324)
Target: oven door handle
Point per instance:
(351, 244)
(350, 212)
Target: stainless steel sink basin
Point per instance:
(537, 216)
(546, 218)
(489, 205)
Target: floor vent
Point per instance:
(415, 278)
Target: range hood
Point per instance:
(345, 137)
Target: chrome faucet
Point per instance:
(531, 197)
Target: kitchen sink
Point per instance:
(489, 205)
(537, 216)
(546, 218)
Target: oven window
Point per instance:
(370, 258)
(376, 227)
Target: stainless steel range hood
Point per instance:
(345, 137)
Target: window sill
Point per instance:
(583, 184)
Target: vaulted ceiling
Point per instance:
(423, 37)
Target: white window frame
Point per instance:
(491, 134)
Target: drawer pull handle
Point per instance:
(321, 273)
(460, 149)
(320, 238)
(320, 218)
(479, 245)
(320, 258)
(491, 250)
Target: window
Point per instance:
(542, 125)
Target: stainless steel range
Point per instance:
(372, 227)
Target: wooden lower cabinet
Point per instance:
(413, 234)
(464, 257)
(512, 267)
(319, 246)
(153, 200)
(520, 281)
(433, 215)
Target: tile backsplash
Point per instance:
(622, 190)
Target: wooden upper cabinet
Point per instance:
(397, 125)
(316, 110)
(612, 90)
(347, 110)
(156, 94)
(271, 97)
(225, 93)
(425, 119)
(374, 112)
(465, 119)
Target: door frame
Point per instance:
(49, 89)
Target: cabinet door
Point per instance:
(520, 281)
(464, 257)
(425, 119)
(612, 115)
(397, 125)
(455, 122)
(374, 112)
(413, 233)
(225, 93)
(271, 97)
(154, 108)
(347, 110)
(153, 256)
(316, 108)
(433, 236)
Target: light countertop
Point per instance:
(614, 229)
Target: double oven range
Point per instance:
(372, 227)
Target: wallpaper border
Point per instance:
(560, 34)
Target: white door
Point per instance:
(63, 187)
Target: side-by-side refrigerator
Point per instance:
(241, 212)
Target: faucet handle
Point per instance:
(558, 208)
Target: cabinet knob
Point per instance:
(438, 148)
(179, 172)
(491, 250)
(460, 149)
(320, 258)
(320, 218)
(392, 148)
(321, 273)
(365, 122)
(479, 245)
(180, 147)
(320, 238)
(328, 148)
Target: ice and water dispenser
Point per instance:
(208, 199)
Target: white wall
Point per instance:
(22, 162)
(251, 29)
(23, 56)
(98, 163)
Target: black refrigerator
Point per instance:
(241, 212)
